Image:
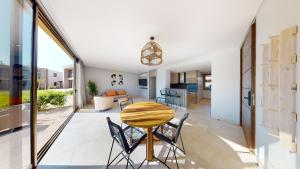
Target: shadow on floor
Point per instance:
(210, 143)
(70, 167)
(93, 167)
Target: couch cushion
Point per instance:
(121, 92)
(110, 93)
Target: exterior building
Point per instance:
(49, 79)
(4, 76)
(5, 73)
(68, 76)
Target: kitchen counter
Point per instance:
(182, 99)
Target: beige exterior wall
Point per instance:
(4, 77)
(68, 77)
(55, 79)
(49, 79)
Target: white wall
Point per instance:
(202, 93)
(103, 80)
(225, 92)
(144, 90)
(163, 79)
(274, 16)
(152, 84)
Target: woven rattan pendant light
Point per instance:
(151, 53)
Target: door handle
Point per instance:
(249, 98)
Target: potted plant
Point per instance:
(92, 89)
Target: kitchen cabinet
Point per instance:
(174, 78)
(191, 77)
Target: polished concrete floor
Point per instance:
(15, 146)
(209, 143)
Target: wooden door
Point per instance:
(248, 87)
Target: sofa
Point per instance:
(116, 94)
(103, 103)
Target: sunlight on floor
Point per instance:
(244, 154)
(209, 143)
(235, 146)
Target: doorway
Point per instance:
(152, 84)
(247, 100)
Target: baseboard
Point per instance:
(260, 165)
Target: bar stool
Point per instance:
(172, 94)
(164, 97)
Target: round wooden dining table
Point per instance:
(147, 115)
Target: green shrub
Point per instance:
(52, 98)
(45, 98)
(26, 96)
(69, 92)
(4, 98)
(52, 87)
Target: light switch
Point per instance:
(294, 117)
(293, 147)
(294, 87)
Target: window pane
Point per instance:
(208, 77)
(55, 79)
(16, 19)
(207, 84)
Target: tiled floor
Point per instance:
(210, 144)
(15, 146)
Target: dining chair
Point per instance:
(170, 134)
(125, 103)
(125, 140)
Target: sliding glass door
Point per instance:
(16, 20)
(55, 86)
(37, 84)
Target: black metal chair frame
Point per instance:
(118, 136)
(164, 96)
(173, 94)
(159, 100)
(173, 141)
(168, 96)
(123, 104)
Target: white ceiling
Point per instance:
(203, 67)
(110, 34)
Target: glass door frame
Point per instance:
(40, 15)
(33, 93)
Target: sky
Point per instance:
(51, 55)
(4, 32)
(6, 37)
